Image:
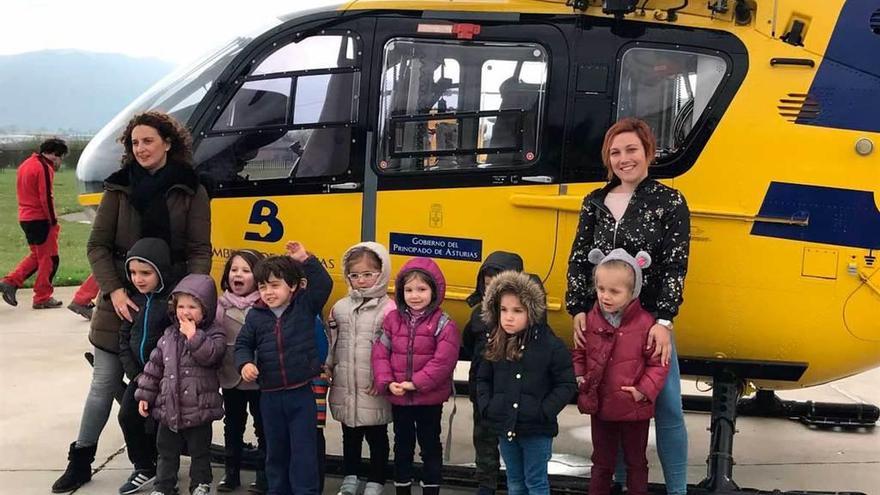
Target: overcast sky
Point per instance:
(172, 30)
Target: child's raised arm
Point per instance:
(208, 346)
(319, 284)
(438, 370)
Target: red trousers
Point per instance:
(43, 259)
(608, 437)
(87, 292)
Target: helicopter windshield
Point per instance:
(178, 94)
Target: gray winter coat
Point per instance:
(180, 380)
(355, 325)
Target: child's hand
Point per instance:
(580, 380)
(249, 372)
(143, 408)
(297, 251)
(408, 386)
(372, 391)
(637, 396)
(188, 328)
(396, 389)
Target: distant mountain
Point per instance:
(68, 90)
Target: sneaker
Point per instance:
(8, 291)
(137, 480)
(202, 489)
(84, 310)
(349, 485)
(47, 304)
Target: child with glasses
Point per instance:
(355, 324)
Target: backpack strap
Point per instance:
(441, 323)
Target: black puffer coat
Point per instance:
(284, 349)
(522, 398)
(657, 220)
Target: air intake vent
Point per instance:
(874, 22)
(800, 108)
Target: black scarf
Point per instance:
(148, 196)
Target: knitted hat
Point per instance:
(641, 260)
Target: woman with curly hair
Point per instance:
(156, 193)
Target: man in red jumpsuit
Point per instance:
(36, 215)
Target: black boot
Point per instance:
(403, 489)
(431, 490)
(231, 479)
(79, 469)
(260, 485)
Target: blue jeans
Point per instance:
(526, 461)
(672, 442)
(290, 426)
(105, 386)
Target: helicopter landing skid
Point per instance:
(767, 404)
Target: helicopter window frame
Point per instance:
(345, 128)
(466, 139)
(669, 156)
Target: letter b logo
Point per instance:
(265, 211)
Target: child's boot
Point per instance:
(260, 485)
(374, 488)
(431, 490)
(349, 485)
(231, 479)
(79, 469)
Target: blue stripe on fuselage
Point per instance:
(842, 217)
(847, 83)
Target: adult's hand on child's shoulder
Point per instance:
(249, 372)
(297, 251)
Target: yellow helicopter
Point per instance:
(454, 128)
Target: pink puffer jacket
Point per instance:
(417, 351)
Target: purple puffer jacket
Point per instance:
(416, 352)
(180, 380)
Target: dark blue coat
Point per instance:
(284, 349)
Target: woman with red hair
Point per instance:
(637, 213)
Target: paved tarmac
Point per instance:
(45, 380)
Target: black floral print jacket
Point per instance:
(657, 220)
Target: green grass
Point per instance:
(74, 266)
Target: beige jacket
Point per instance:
(355, 324)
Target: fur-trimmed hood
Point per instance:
(526, 288)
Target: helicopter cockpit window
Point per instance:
(669, 90)
(292, 116)
(454, 105)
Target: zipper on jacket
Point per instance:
(279, 341)
(617, 222)
(145, 327)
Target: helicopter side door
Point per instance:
(469, 131)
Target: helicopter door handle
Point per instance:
(345, 186)
(540, 179)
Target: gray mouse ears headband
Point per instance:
(640, 261)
